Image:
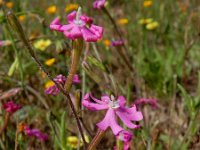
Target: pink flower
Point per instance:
(142, 101)
(114, 108)
(11, 107)
(125, 136)
(98, 4)
(60, 79)
(76, 79)
(35, 132)
(80, 26)
(117, 43)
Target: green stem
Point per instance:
(76, 53)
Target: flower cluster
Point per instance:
(115, 108)
(117, 43)
(142, 101)
(149, 23)
(80, 26)
(98, 4)
(60, 79)
(11, 107)
(35, 133)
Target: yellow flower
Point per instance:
(106, 42)
(42, 44)
(48, 84)
(147, 3)
(145, 21)
(71, 7)
(9, 4)
(51, 9)
(21, 18)
(72, 141)
(152, 25)
(50, 62)
(122, 21)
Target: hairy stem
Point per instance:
(95, 141)
(76, 53)
(13, 21)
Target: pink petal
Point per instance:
(92, 106)
(97, 30)
(105, 99)
(110, 121)
(55, 24)
(66, 27)
(98, 4)
(142, 101)
(125, 136)
(86, 19)
(88, 35)
(74, 33)
(134, 114)
(122, 101)
(96, 100)
(76, 79)
(71, 16)
(126, 120)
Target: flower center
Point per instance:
(113, 103)
(77, 21)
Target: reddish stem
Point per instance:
(95, 141)
(6, 121)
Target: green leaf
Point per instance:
(14, 66)
(95, 62)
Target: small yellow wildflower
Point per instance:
(147, 3)
(9, 4)
(106, 42)
(145, 21)
(42, 44)
(152, 25)
(71, 7)
(51, 9)
(122, 21)
(48, 84)
(21, 18)
(50, 62)
(72, 141)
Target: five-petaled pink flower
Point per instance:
(80, 26)
(98, 4)
(36, 133)
(114, 108)
(60, 79)
(11, 107)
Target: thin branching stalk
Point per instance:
(13, 21)
(121, 52)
